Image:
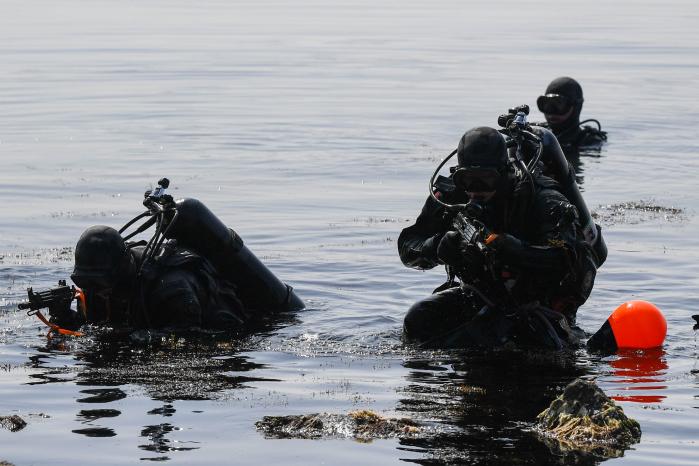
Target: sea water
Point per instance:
(311, 128)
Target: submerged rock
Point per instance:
(12, 423)
(361, 425)
(583, 418)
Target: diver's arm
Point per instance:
(552, 258)
(552, 249)
(417, 244)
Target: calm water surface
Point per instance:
(312, 130)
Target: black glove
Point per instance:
(60, 310)
(456, 252)
(506, 245)
(429, 247)
(449, 249)
(473, 259)
(61, 314)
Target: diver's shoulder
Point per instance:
(548, 192)
(545, 184)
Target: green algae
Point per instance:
(583, 418)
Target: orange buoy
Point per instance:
(634, 324)
(638, 324)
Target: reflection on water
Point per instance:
(174, 368)
(89, 415)
(639, 376)
(95, 432)
(50, 372)
(157, 435)
(166, 410)
(192, 367)
(487, 403)
(177, 369)
(577, 158)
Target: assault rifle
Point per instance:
(476, 234)
(467, 222)
(58, 298)
(473, 231)
(61, 296)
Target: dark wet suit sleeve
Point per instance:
(417, 244)
(552, 242)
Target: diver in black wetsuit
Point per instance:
(536, 259)
(181, 289)
(198, 274)
(561, 105)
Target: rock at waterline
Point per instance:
(583, 418)
(12, 423)
(361, 425)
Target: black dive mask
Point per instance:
(98, 279)
(96, 283)
(477, 179)
(554, 104)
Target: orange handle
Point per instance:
(491, 237)
(56, 328)
(82, 301)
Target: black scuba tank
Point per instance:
(198, 229)
(558, 168)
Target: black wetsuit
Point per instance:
(179, 289)
(549, 268)
(574, 138)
